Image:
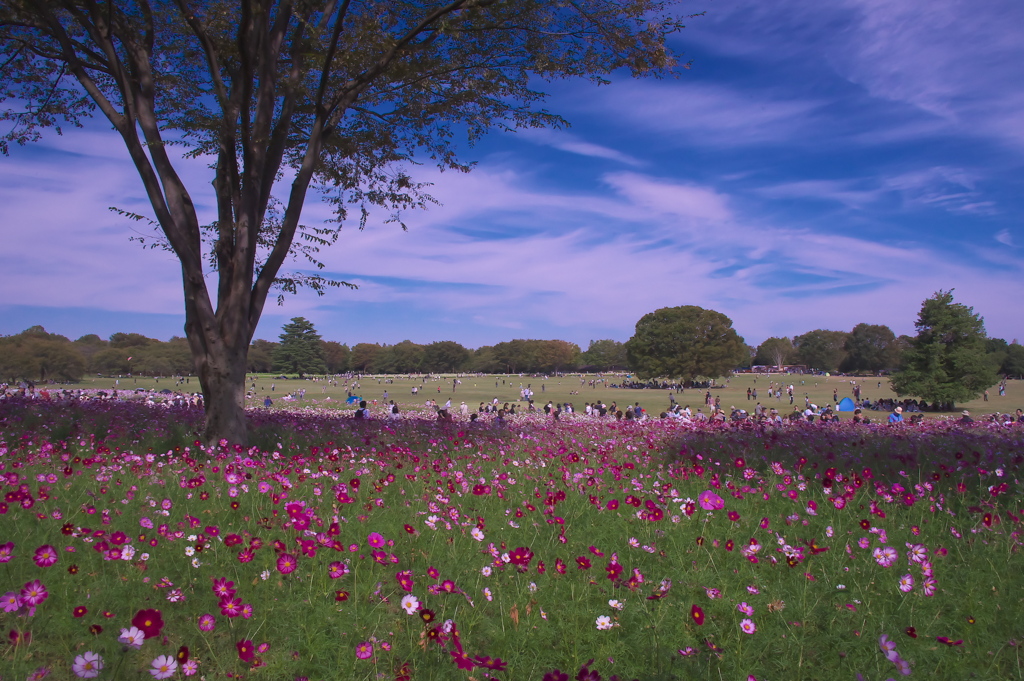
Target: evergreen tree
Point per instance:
(301, 350)
(947, 361)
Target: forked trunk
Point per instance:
(223, 380)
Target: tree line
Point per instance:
(872, 349)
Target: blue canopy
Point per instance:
(846, 404)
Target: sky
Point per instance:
(820, 165)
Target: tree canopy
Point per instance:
(947, 361)
(685, 342)
(337, 96)
(775, 352)
(301, 350)
(871, 348)
(821, 349)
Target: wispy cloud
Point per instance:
(564, 141)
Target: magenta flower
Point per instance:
(364, 651)
(748, 626)
(710, 501)
(337, 569)
(45, 556)
(223, 588)
(33, 593)
(6, 552)
(245, 650)
(207, 622)
(10, 602)
(286, 563)
(375, 539)
(405, 580)
(520, 556)
(231, 607)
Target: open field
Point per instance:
(476, 389)
(412, 549)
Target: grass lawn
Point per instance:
(476, 389)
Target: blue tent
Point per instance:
(353, 400)
(846, 404)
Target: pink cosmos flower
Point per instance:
(245, 650)
(710, 501)
(207, 622)
(364, 651)
(223, 588)
(33, 593)
(375, 539)
(231, 607)
(906, 583)
(164, 667)
(10, 602)
(337, 569)
(6, 552)
(87, 665)
(45, 556)
(286, 563)
(745, 609)
(748, 626)
(190, 668)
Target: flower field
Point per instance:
(531, 549)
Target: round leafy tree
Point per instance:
(685, 342)
(947, 361)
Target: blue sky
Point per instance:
(820, 165)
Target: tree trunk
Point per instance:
(222, 376)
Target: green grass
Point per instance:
(476, 389)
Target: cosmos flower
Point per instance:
(87, 665)
(410, 604)
(747, 626)
(364, 650)
(604, 622)
(132, 637)
(245, 650)
(286, 563)
(45, 556)
(710, 501)
(164, 667)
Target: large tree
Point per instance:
(775, 352)
(334, 94)
(301, 350)
(871, 348)
(821, 349)
(445, 356)
(685, 342)
(602, 355)
(947, 360)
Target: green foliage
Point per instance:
(36, 355)
(821, 349)
(775, 352)
(947, 361)
(445, 357)
(1013, 363)
(603, 355)
(871, 348)
(536, 356)
(261, 356)
(685, 342)
(363, 356)
(402, 358)
(300, 350)
(337, 356)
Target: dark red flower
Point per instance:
(911, 632)
(80, 611)
(340, 596)
(245, 650)
(182, 655)
(520, 556)
(150, 622)
(697, 614)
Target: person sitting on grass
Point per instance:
(896, 416)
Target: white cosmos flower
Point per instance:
(410, 604)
